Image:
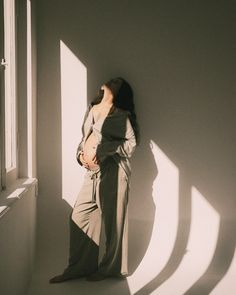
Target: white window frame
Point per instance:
(9, 97)
(2, 167)
(23, 162)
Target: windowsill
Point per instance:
(15, 192)
(10, 169)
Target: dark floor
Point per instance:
(150, 273)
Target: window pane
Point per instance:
(10, 82)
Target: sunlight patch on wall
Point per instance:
(226, 283)
(200, 248)
(73, 107)
(166, 198)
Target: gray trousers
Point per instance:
(103, 199)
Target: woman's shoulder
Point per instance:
(94, 107)
(88, 114)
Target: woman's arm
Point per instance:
(82, 161)
(124, 147)
(80, 146)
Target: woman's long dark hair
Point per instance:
(123, 99)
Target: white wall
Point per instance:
(178, 56)
(17, 232)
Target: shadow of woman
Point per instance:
(141, 206)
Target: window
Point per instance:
(17, 91)
(10, 84)
(8, 94)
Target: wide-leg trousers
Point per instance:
(103, 199)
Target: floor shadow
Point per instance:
(180, 245)
(52, 262)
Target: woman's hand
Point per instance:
(84, 163)
(95, 160)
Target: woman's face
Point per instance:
(112, 87)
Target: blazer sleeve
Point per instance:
(124, 147)
(80, 146)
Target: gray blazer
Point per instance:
(115, 137)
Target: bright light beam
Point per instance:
(200, 249)
(73, 107)
(227, 285)
(166, 199)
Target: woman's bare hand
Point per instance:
(95, 160)
(81, 157)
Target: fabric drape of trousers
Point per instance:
(102, 199)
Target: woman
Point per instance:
(109, 140)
